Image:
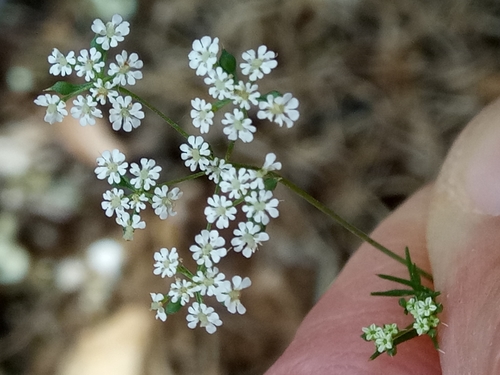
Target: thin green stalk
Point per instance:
(184, 271)
(229, 150)
(182, 179)
(351, 228)
(168, 120)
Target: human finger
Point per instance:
(328, 340)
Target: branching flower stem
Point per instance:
(351, 228)
(182, 179)
(168, 120)
(229, 151)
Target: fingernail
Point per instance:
(482, 176)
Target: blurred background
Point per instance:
(384, 88)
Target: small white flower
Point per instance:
(195, 153)
(122, 216)
(157, 305)
(433, 321)
(421, 325)
(89, 63)
(114, 201)
(220, 210)
(260, 206)
(204, 55)
(61, 64)
(282, 109)
(209, 248)
(111, 165)
(206, 316)
(137, 202)
(383, 341)
(85, 108)
(371, 332)
(222, 85)
(182, 290)
(237, 125)
(103, 90)
(202, 115)
(270, 164)
(235, 182)
(134, 221)
(123, 70)
(129, 224)
(216, 168)
(209, 281)
(391, 329)
(56, 108)
(426, 308)
(231, 297)
(163, 201)
(110, 33)
(411, 307)
(146, 175)
(258, 64)
(125, 113)
(244, 94)
(166, 262)
(248, 237)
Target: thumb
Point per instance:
(463, 236)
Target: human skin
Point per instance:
(452, 225)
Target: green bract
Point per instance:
(228, 63)
(172, 307)
(68, 89)
(270, 183)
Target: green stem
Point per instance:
(229, 150)
(168, 120)
(184, 271)
(351, 228)
(182, 179)
(125, 182)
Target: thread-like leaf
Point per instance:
(396, 279)
(395, 293)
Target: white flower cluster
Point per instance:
(246, 190)
(424, 312)
(208, 281)
(127, 207)
(244, 95)
(238, 187)
(103, 87)
(383, 337)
